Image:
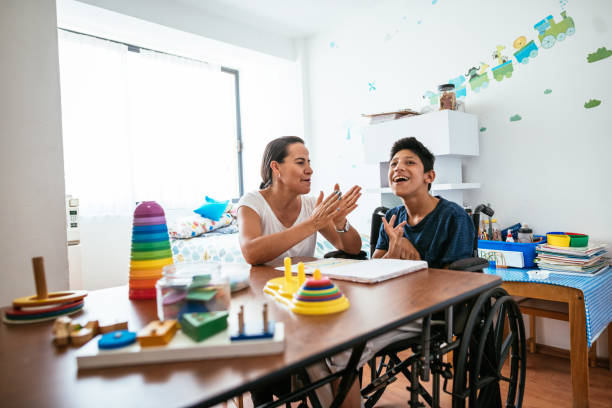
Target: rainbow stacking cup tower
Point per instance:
(150, 249)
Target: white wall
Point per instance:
(271, 106)
(32, 210)
(551, 169)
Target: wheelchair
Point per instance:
(486, 336)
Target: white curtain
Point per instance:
(144, 126)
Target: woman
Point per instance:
(280, 220)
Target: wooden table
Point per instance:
(578, 334)
(35, 373)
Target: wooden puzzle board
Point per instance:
(180, 348)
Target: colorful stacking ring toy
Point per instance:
(43, 305)
(567, 239)
(150, 250)
(318, 295)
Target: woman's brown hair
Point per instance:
(276, 150)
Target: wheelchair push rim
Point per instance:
(486, 333)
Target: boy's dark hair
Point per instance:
(412, 144)
(276, 150)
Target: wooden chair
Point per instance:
(550, 310)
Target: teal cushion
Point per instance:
(213, 209)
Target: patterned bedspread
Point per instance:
(225, 248)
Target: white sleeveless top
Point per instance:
(271, 225)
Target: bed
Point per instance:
(189, 243)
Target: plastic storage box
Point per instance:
(516, 254)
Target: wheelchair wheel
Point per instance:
(490, 364)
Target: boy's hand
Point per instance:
(408, 250)
(395, 237)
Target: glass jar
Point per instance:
(192, 288)
(448, 99)
(525, 234)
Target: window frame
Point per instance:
(230, 71)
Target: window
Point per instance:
(144, 125)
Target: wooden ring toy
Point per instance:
(42, 297)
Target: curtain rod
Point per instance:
(136, 48)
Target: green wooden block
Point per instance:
(200, 326)
(201, 294)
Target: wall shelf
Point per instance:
(445, 133)
(449, 135)
(434, 187)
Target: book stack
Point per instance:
(588, 260)
(387, 116)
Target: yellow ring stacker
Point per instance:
(296, 292)
(42, 297)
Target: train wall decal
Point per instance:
(477, 77)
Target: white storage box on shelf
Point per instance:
(449, 135)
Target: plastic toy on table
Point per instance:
(312, 296)
(567, 239)
(197, 287)
(67, 331)
(157, 333)
(44, 305)
(515, 254)
(244, 331)
(200, 326)
(150, 250)
(201, 336)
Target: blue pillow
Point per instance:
(212, 200)
(213, 209)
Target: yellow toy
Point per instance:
(313, 296)
(157, 333)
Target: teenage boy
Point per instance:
(424, 227)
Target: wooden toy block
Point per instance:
(61, 331)
(94, 326)
(81, 336)
(74, 326)
(200, 326)
(112, 325)
(62, 322)
(157, 333)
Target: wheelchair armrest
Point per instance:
(470, 264)
(341, 254)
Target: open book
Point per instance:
(370, 271)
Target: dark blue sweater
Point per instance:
(445, 235)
